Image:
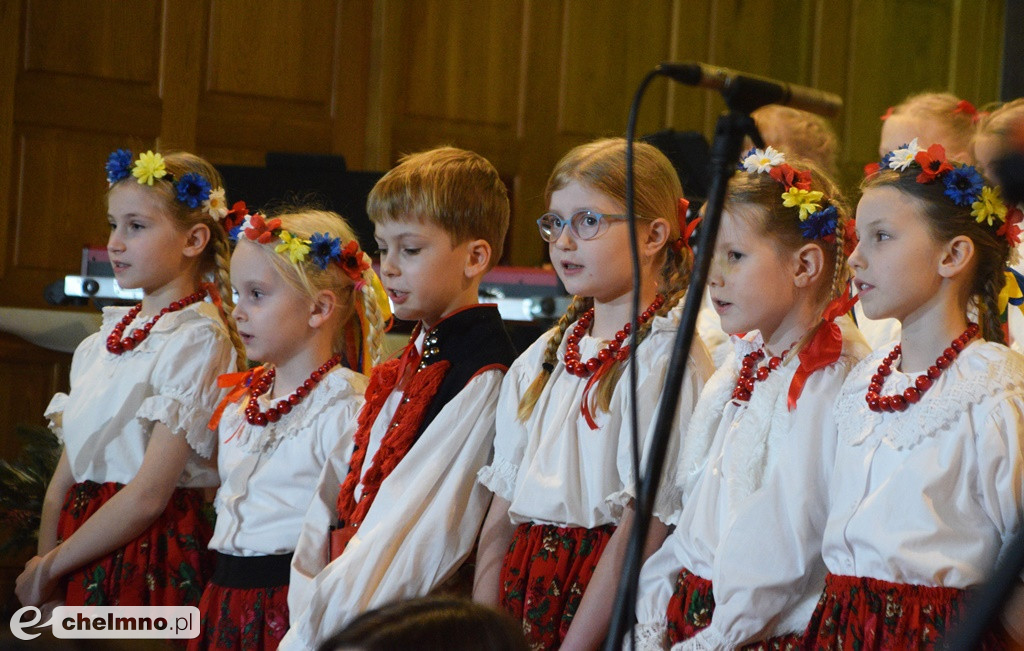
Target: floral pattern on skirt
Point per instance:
(863, 613)
(690, 610)
(234, 618)
(544, 574)
(166, 565)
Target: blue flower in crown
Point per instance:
(192, 190)
(820, 224)
(324, 249)
(119, 165)
(963, 184)
(884, 163)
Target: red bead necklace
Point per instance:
(255, 416)
(750, 373)
(614, 348)
(117, 345)
(898, 402)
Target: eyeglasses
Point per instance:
(584, 225)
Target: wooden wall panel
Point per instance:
(108, 39)
(281, 50)
(462, 61)
(603, 57)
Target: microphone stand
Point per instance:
(725, 151)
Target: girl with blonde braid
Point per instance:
(779, 275)
(123, 518)
(308, 308)
(554, 540)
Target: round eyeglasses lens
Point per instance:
(550, 227)
(586, 224)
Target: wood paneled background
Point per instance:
(520, 81)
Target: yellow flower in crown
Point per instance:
(295, 247)
(989, 206)
(149, 167)
(802, 199)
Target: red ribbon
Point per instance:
(239, 383)
(824, 347)
(605, 366)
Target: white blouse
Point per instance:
(553, 468)
(733, 463)
(170, 377)
(421, 528)
(269, 474)
(931, 495)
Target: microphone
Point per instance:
(752, 91)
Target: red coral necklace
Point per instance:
(899, 402)
(748, 375)
(614, 348)
(255, 416)
(117, 345)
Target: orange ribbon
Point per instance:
(824, 347)
(239, 383)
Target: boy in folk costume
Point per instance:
(408, 511)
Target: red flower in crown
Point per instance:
(791, 178)
(235, 216)
(933, 163)
(871, 168)
(888, 114)
(1011, 229)
(965, 107)
(353, 262)
(262, 231)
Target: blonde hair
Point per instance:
(362, 349)
(999, 122)
(799, 133)
(458, 190)
(215, 260)
(601, 165)
(941, 109)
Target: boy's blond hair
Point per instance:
(941, 109)
(458, 190)
(799, 133)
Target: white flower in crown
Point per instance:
(763, 160)
(904, 156)
(217, 205)
(246, 223)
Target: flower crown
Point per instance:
(191, 189)
(963, 185)
(321, 247)
(816, 223)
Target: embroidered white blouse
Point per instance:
(405, 547)
(931, 495)
(269, 474)
(553, 468)
(170, 377)
(732, 460)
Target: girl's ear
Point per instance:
(196, 239)
(957, 255)
(808, 265)
(325, 303)
(658, 233)
(479, 258)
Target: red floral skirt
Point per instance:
(245, 605)
(690, 610)
(544, 575)
(862, 613)
(166, 565)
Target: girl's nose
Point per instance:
(856, 260)
(715, 272)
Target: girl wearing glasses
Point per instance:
(755, 443)
(552, 546)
